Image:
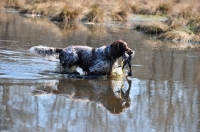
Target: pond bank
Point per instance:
(179, 20)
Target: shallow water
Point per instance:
(162, 95)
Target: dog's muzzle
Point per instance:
(129, 51)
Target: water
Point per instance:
(162, 95)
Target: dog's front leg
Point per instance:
(130, 72)
(81, 71)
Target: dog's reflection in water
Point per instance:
(112, 94)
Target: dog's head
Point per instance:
(119, 47)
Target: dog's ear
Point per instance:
(118, 46)
(115, 45)
(114, 49)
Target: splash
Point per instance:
(119, 72)
(79, 71)
(65, 70)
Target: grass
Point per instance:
(183, 22)
(96, 14)
(12, 3)
(69, 13)
(163, 8)
(181, 36)
(153, 27)
(183, 16)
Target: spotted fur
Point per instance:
(93, 61)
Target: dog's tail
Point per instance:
(47, 52)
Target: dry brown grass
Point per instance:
(143, 7)
(181, 36)
(122, 12)
(99, 10)
(96, 14)
(184, 30)
(13, 3)
(164, 8)
(94, 11)
(69, 13)
(46, 9)
(183, 23)
(153, 27)
(186, 10)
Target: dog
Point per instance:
(93, 61)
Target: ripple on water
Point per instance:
(23, 65)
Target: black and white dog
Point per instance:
(93, 61)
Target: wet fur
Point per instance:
(93, 61)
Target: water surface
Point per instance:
(162, 95)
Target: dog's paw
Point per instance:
(81, 72)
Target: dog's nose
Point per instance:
(130, 52)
